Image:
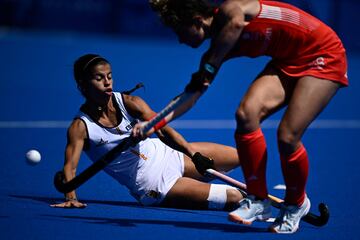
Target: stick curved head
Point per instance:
(319, 220)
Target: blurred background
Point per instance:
(43, 38)
(133, 17)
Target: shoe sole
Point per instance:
(236, 219)
(274, 231)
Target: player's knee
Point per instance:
(233, 198)
(243, 114)
(246, 117)
(288, 139)
(222, 196)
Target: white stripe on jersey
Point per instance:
(285, 15)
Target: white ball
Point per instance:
(33, 157)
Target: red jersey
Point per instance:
(298, 43)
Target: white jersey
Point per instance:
(148, 169)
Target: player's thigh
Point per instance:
(267, 94)
(225, 158)
(187, 193)
(310, 96)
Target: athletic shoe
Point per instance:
(251, 210)
(289, 217)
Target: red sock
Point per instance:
(295, 169)
(253, 157)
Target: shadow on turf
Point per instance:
(49, 200)
(133, 222)
(126, 222)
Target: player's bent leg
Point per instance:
(310, 96)
(192, 194)
(225, 158)
(267, 94)
(222, 197)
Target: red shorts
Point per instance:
(331, 65)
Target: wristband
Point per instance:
(209, 71)
(210, 68)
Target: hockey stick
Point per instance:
(65, 187)
(313, 219)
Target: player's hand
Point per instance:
(202, 79)
(202, 163)
(69, 204)
(197, 83)
(138, 131)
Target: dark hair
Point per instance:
(83, 66)
(181, 12)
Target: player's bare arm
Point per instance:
(138, 108)
(76, 136)
(230, 21)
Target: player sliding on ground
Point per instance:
(308, 66)
(159, 173)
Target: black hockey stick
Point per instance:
(65, 187)
(313, 219)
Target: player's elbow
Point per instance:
(237, 23)
(234, 13)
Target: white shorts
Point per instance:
(156, 181)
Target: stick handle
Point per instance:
(238, 184)
(226, 179)
(85, 175)
(176, 102)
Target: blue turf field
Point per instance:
(39, 98)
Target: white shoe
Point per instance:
(251, 210)
(289, 217)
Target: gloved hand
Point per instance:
(202, 163)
